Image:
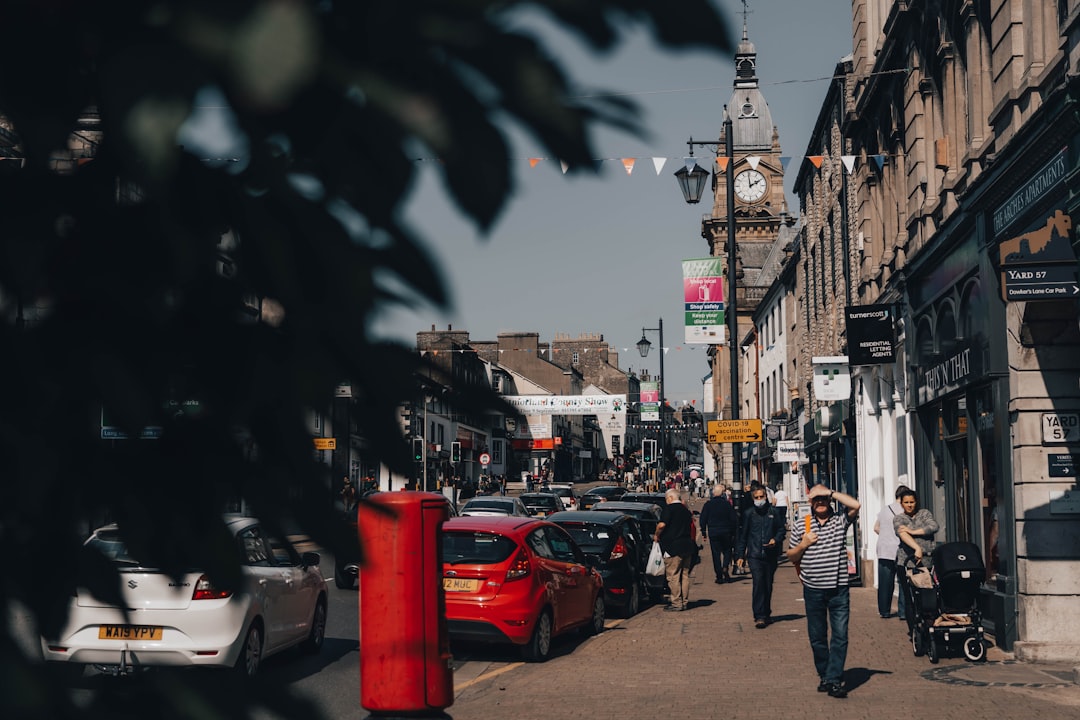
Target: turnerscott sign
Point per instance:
(870, 334)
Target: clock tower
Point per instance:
(759, 175)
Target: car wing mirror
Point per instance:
(311, 559)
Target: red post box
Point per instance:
(404, 646)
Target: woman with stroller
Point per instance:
(915, 527)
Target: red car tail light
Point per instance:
(204, 590)
(619, 551)
(519, 568)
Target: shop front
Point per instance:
(959, 391)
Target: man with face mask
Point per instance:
(760, 541)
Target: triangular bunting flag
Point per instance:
(598, 164)
(879, 160)
(849, 163)
(533, 162)
(628, 163)
(815, 160)
(753, 160)
(565, 166)
(784, 160)
(434, 352)
(658, 163)
(722, 162)
(689, 163)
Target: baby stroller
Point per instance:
(943, 613)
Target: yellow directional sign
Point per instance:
(734, 431)
(325, 443)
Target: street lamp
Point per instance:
(730, 307)
(643, 346)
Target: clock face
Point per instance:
(750, 185)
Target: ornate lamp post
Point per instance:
(692, 183)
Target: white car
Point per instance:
(186, 621)
(495, 506)
(566, 494)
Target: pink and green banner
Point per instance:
(703, 296)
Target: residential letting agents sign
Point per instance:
(870, 334)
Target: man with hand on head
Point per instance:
(818, 552)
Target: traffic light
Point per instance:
(418, 449)
(648, 449)
(455, 451)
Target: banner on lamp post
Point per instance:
(703, 299)
(650, 401)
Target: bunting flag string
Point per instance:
(850, 162)
(628, 163)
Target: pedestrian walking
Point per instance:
(718, 521)
(780, 501)
(760, 542)
(888, 544)
(818, 552)
(348, 494)
(674, 534)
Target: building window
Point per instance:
(575, 358)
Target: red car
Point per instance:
(517, 580)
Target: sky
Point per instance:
(574, 254)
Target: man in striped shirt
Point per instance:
(818, 552)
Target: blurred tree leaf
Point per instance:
(117, 300)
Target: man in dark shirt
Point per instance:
(718, 522)
(673, 534)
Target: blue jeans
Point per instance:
(828, 609)
(886, 574)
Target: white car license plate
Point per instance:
(129, 632)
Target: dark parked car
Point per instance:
(651, 498)
(600, 494)
(541, 504)
(647, 516)
(615, 546)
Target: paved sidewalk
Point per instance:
(712, 662)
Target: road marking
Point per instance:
(495, 673)
(486, 676)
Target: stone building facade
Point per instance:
(958, 121)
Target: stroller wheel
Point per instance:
(918, 645)
(974, 649)
(932, 650)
